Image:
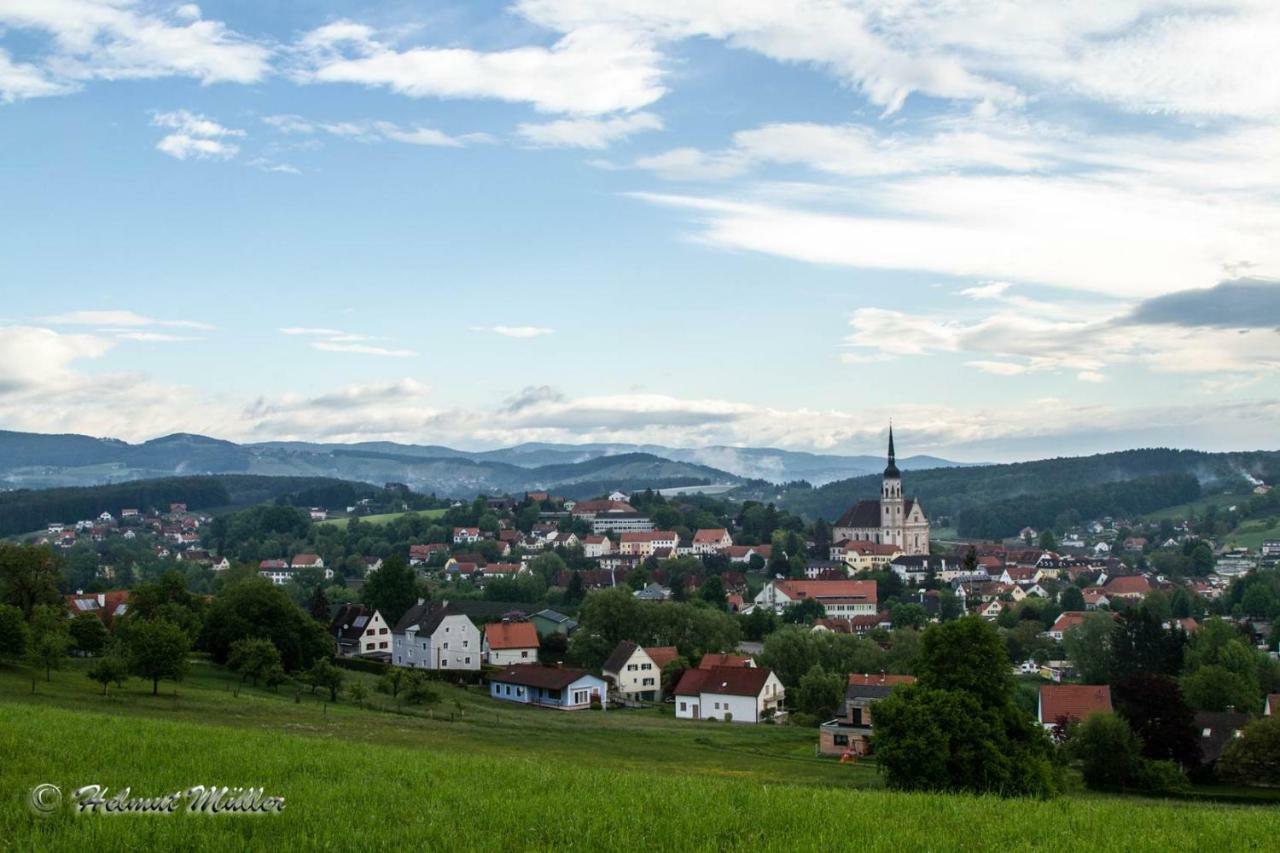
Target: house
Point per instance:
(710, 541)
(1071, 702)
(1217, 729)
(276, 571)
(916, 568)
(466, 535)
(856, 625)
(510, 643)
(1272, 705)
(107, 606)
(825, 569)
(991, 610)
(1095, 597)
(419, 554)
(851, 731)
(552, 622)
(371, 564)
(359, 631)
(636, 672)
(714, 659)
(861, 555)
(436, 637)
(318, 513)
(1133, 587)
(1067, 620)
(549, 687)
(729, 693)
(219, 564)
(643, 544)
(839, 598)
(596, 546)
(307, 561)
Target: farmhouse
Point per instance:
(732, 694)
(439, 637)
(851, 731)
(548, 687)
(636, 672)
(1060, 702)
(509, 643)
(357, 630)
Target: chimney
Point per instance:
(102, 599)
(421, 601)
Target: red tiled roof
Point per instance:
(863, 546)
(306, 559)
(1068, 619)
(1128, 585)
(1073, 701)
(511, 635)
(800, 590)
(710, 536)
(661, 655)
(730, 680)
(714, 659)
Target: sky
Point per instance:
(1017, 230)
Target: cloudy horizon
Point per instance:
(1020, 233)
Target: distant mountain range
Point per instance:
(33, 460)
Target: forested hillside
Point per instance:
(997, 500)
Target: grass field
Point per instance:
(508, 778)
(1253, 532)
(385, 517)
(1197, 508)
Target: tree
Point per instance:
(319, 606)
(418, 690)
(575, 591)
(1156, 711)
(1109, 752)
(957, 728)
(1216, 688)
(391, 681)
(158, 650)
(111, 668)
(358, 692)
(391, 590)
(1047, 541)
(29, 576)
(804, 613)
(15, 636)
(254, 607)
(908, 616)
(1140, 643)
(1071, 599)
(323, 674)
(820, 694)
(50, 639)
(1254, 757)
(712, 592)
(1088, 646)
(253, 658)
(88, 634)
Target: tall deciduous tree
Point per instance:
(391, 590)
(158, 650)
(29, 576)
(15, 636)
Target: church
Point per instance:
(891, 520)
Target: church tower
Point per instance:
(891, 503)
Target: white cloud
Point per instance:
(119, 318)
(588, 71)
(300, 330)
(335, 340)
(195, 136)
(116, 40)
(374, 131)
(588, 132)
(361, 349)
(515, 331)
(20, 80)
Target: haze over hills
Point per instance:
(35, 460)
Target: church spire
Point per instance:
(891, 470)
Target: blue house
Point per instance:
(548, 687)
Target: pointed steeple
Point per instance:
(891, 470)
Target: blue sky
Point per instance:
(1038, 231)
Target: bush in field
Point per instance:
(1254, 757)
(418, 689)
(111, 668)
(323, 674)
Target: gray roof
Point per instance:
(554, 616)
(620, 656)
(426, 616)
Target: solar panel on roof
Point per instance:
(361, 621)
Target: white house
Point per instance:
(637, 672)
(436, 637)
(508, 643)
(549, 687)
(276, 571)
(839, 597)
(466, 535)
(711, 541)
(594, 547)
(360, 631)
(729, 693)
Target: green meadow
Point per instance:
(474, 774)
(383, 518)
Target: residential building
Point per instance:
(552, 622)
(889, 520)
(594, 547)
(1067, 620)
(1216, 730)
(1068, 702)
(107, 606)
(360, 631)
(549, 687)
(617, 523)
(839, 597)
(851, 731)
(436, 637)
(510, 643)
(710, 541)
(862, 555)
(276, 571)
(636, 672)
(466, 535)
(643, 544)
(729, 693)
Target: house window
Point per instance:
(683, 707)
(524, 654)
(468, 660)
(840, 740)
(466, 644)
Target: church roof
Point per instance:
(867, 514)
(891, 470)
